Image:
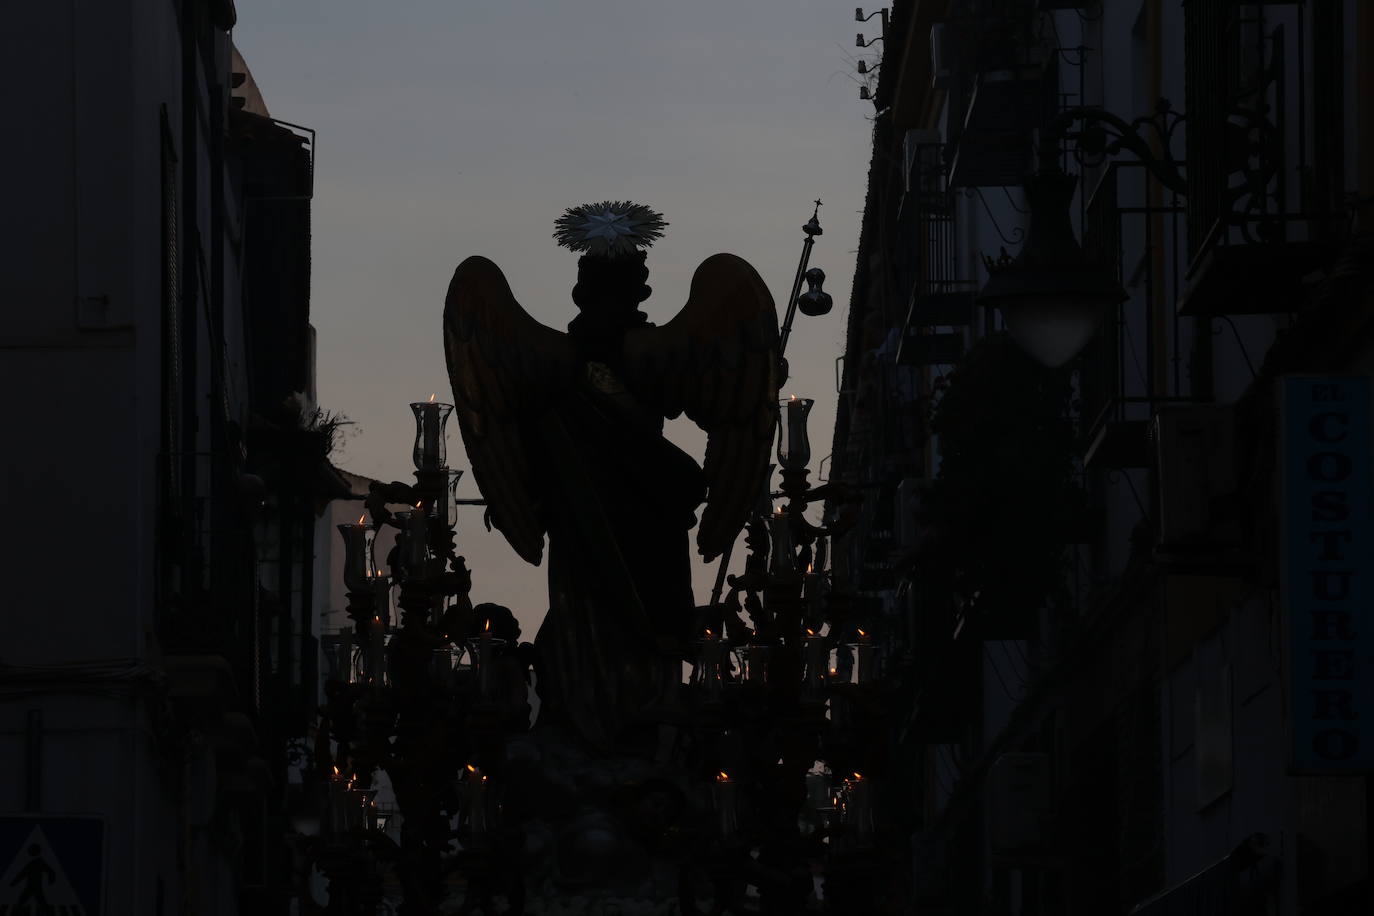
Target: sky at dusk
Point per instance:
(448, 129)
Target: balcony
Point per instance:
(1250, 278)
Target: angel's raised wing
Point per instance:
(717, 361)
(502, 364)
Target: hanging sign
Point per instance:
(1328, 538)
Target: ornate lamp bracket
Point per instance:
(1104, 134)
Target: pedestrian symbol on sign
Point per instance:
(33, 884)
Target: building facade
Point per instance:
(1119, 596)
(158, 353)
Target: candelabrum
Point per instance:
(788, 704)
(419, 697)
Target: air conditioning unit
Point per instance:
(1195, 456)
(1019, 802)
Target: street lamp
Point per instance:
(1053, 295)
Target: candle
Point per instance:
(431, 424)
(344, 807)
(858, 811)
(477, 804)
(484, 659)
(866, 655)
(723, 794)
(376, 651)
(817, 659)
(417, 531)
(794, 450)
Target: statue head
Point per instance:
(613, 284)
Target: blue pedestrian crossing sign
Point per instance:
(52, 866)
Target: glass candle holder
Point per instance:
(448, 509)
(865, 659)
(816, 653)
(482, 653)
(381, 598)
(370, 810)
(782, 554)
(754, 663)
(820, 795)
(430, 452)
(345, 808)
(414, 535)
(359, 567)
(794, 449)
(441, 667)
(339, 653)
(712, 661)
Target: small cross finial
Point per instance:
(813, 226)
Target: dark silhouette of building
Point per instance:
(1118, 696)
(165, 461)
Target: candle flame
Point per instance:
(862, 633)
(360, 519)
(471, 768)
(431, 397)
(834, 671)
(376, 619)
(809, 567)
(791, 397)
(487, 628)
(708, 632)
(722, 776)
(810, 632)
(336, 771)
(420, 505)
(858, 776)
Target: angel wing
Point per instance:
(717, 361)
(501, 363)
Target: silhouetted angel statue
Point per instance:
(564, 433)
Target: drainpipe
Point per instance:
(1364, 115)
